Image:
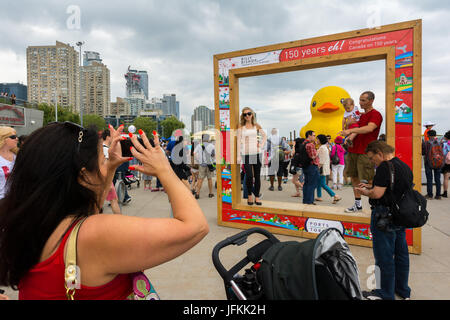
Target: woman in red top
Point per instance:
(61, 176)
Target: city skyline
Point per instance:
(177, 49)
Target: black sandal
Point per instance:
(210, 195)
(249, 203)
(258, 203)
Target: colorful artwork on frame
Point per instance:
(224, 98)
(404, 38)
(224, 120)
(403, 107)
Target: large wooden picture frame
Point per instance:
(400, 45)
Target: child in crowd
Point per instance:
(351, 117)
(337, 169)
(147, 182)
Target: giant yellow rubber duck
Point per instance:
(327, 112)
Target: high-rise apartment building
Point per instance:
(137, 83)
(89, 57)
(144, 82)
(120, 107)
(202, 119)
(53, 75)
(137, 103)
(95, 88)
(170, 105)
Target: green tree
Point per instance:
(94, 120)
(169, 125)
(49, 113)
(146, 124)
(64, 114)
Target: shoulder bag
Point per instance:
(411, 210)
(142, 287)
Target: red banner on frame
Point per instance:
(347, 45)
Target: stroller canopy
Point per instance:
(316, 269)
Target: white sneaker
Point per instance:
(355, 208)
(371, 295)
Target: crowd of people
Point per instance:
(193, 161)
(361, 154)
(315, 162)
(312, 159)
(61, 175)
(12, 98)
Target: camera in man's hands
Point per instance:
(383, 218)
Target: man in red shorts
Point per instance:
(357, 165)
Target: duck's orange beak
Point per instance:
(327, 107)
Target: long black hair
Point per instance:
(298, 144)
(43, 189)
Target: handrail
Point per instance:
(19, 102)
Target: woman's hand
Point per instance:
(115, 158)
(153, 159)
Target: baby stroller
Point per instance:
(316, 269)
(130, 178)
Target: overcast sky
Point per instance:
(175, 40)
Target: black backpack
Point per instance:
(300, 159)
(335, 158)
(411, 210)
(303, 159)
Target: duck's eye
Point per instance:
(314, 104)
(342, 100)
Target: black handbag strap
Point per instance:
(391, 184)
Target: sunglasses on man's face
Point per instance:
(13, 137)
(247, 114)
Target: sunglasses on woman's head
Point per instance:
(73, 126)
(247, 114)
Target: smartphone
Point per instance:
(126, 144)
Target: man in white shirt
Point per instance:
(204, 155)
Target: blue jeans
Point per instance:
(437, 179)
(392, 258)
(323, 184)
(311, 173)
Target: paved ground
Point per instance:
(193, 276)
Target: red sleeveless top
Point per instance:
(45, 281)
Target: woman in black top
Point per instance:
(295, 166)
(178, 161)
(389, 246)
